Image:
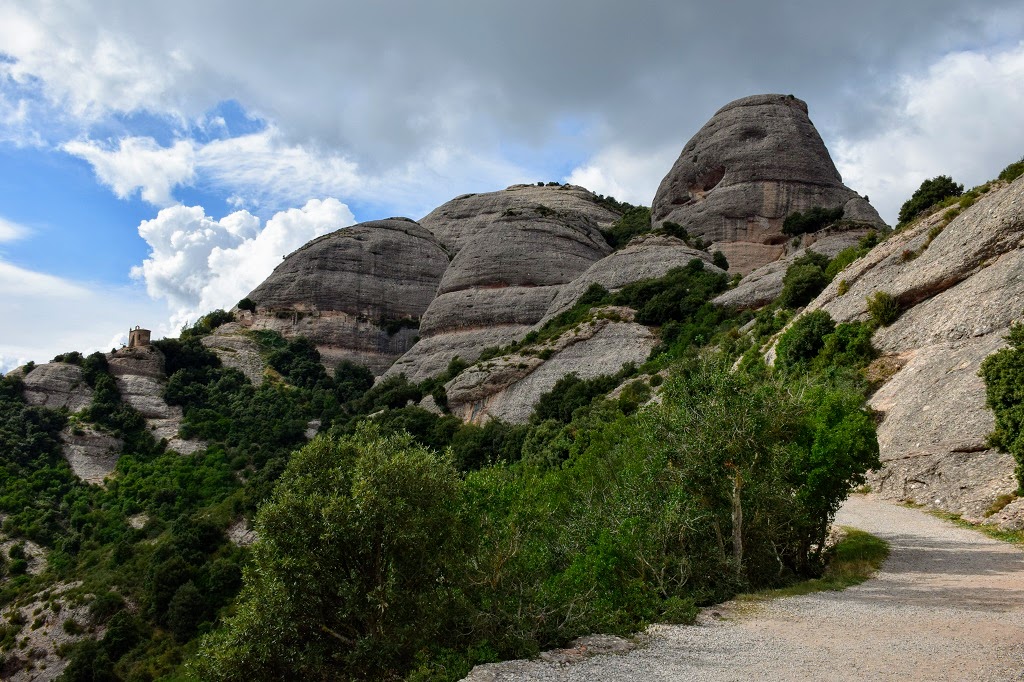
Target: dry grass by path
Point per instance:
(948, 604)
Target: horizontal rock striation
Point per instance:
(344, 290)
(959, 289)
(508, 270)
(756, 161)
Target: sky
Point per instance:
(158, 159)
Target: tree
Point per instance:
(927, 195)
(359, 565)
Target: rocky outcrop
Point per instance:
(960, 286)
(462, 219)
(57, 385)
(139, 373)
(508, 270)
(645, 257)
(357, 293)
(92, 454)
(233, 347)
(763, 285)
(756, 161)
(508, 387)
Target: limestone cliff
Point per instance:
(755, 162)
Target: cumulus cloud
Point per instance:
(962, 117)
(46, 315)
(198, 263)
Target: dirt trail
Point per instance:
(947, 605)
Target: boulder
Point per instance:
(960, 286)
(756, 161)
(57, 385)
(357, 293)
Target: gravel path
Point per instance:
(947, 605)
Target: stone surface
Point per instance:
(91, 454)
(460, 221)
(139, 373)
(57, 385)
(645, 257)
(960, 289)
(338, 289)
(756, 161)
(763, 285)
(36, 659)
(512, 261)
(235, 349)
(507, 388)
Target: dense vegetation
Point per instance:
(811, 220)
(416, 545)
(1004, 387)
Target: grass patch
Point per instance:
(1015, 537)
(855, 559)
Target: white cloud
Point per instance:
(11, 231)
(139, 164)
(197, 263)
(624, 174)
(960, 118)
(46, 315)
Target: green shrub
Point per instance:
(801, 284)
(1012, 172)
(883, 308)
(811, 220)
(927, 195)
(247, 304)
(718, 258)
(1003, 372)
(804, 339)
(635, 220)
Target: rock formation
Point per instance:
(959, 286)
(91, 454)
(459, 221)
(756, 161)
(645, 257)
(139, 373)
(508, 387)
(357, 293)
(510, 265)
(235, 349)
(56, 385)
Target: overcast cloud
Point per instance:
(393, 107)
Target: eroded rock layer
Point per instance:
(756, 161)
(357, 293)
(510, 266)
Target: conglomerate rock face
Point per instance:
(510, 266)
(459, 221)
(57, 385)
(756, 161)
(357, 293)
(959, 290)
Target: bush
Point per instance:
(247, 304)
(927, 195)
(718, 258)
(804, 339)
(635, 220)
(801, 284)
(1003, 372)
(1012, 172)
(883, 308)
(811, 220)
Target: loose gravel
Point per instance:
(947, 605)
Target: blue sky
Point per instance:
(157, 160)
